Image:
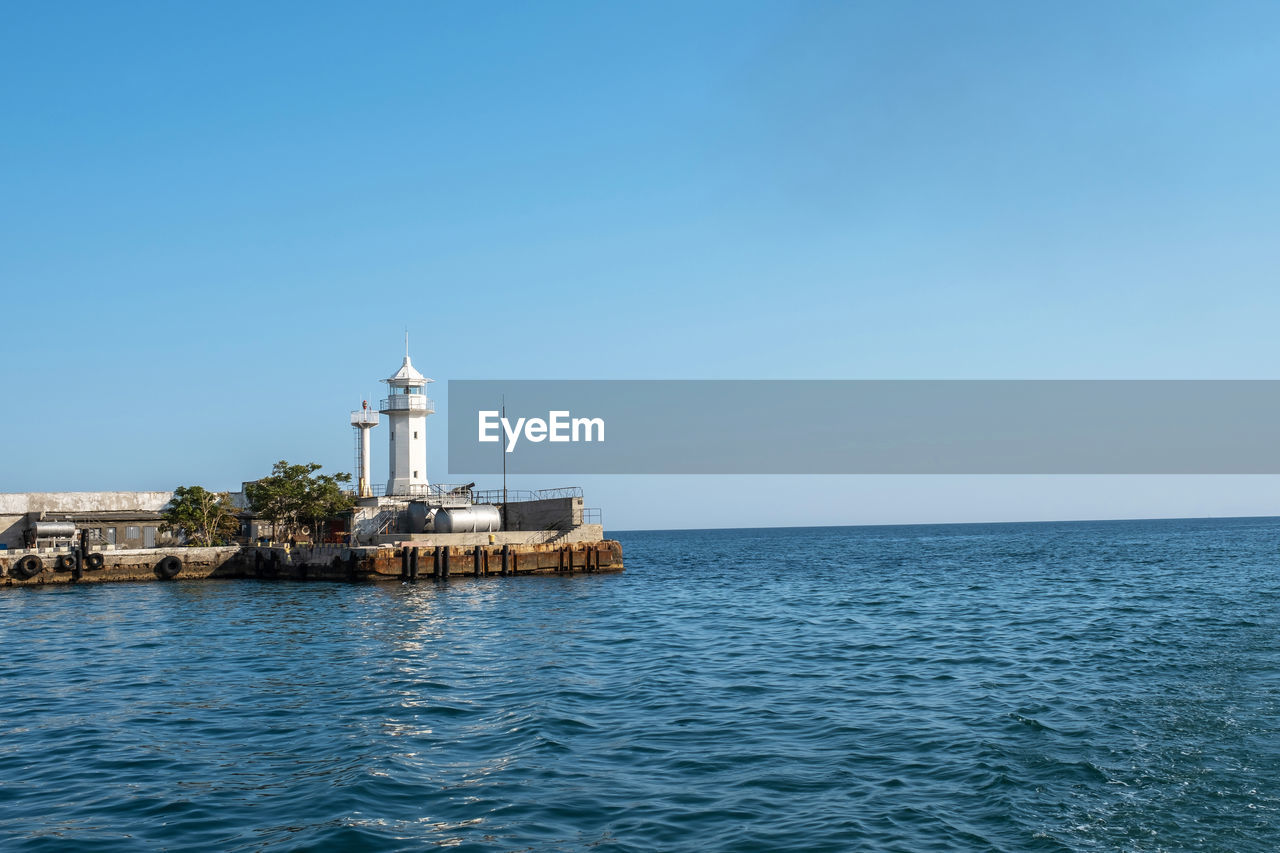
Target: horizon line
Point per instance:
(945, 523)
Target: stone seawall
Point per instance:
(579, 533)
(407, 561)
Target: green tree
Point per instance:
(294, 494)
(202, 517)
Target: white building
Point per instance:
(406, 409)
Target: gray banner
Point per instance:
(865, 426)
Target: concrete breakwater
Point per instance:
(391, 562)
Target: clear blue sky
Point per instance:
(218, 219)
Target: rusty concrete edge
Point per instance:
(381, 563)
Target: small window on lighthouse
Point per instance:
(415, 435)
(415, 475)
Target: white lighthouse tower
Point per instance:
(406, 409)
(363, 421)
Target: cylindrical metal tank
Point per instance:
(480, 518)
(55, 528)
(419, 517)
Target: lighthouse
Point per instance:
(363, 421)
(406, 408)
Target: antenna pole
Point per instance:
(503, 450)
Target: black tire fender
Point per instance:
(168, 568)
(64, 563)
(94, 560)
(26, 568)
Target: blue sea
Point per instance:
(1056, 687)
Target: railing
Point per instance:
(408, 403)
(364, 416)
(592, 515)
(447, 494)
(562, 492)
(437, 490)
(416, 490)
(495, 496)
(364, 530)
(439, 494)
(384, 520)
(542, 537)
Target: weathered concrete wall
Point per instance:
(15, 507)
(388, 563)
(581, 533)
(18, 503)
(11, 528)
(547, 514)
(126, 565)
(320, 563)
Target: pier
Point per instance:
(404, 562)
(410, 529)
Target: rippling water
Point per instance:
(1081, 686)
